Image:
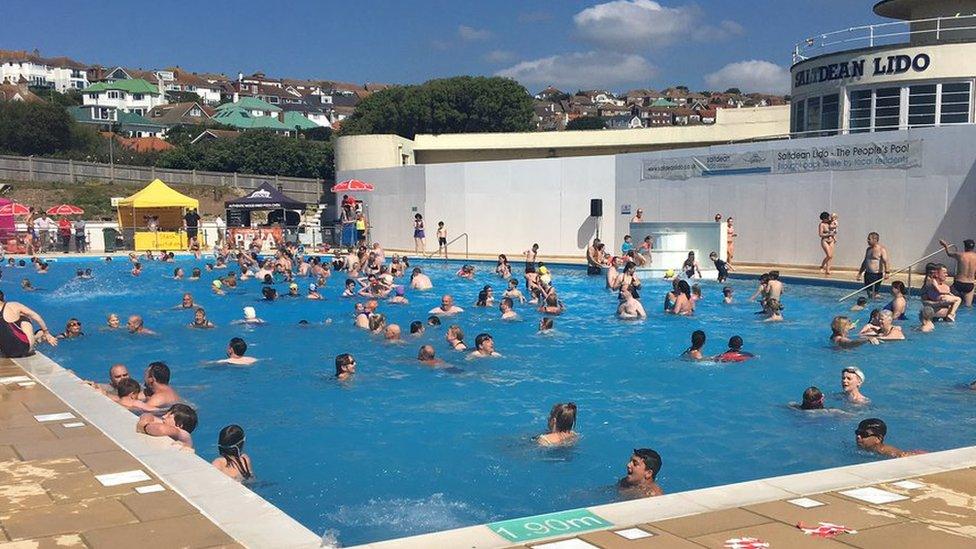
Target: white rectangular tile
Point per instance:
(13, 379)
(908, 485)
(633, 533)
(125, 477)
(150, 488)
(574, 543)
(873, 495)
(806, 503)
(73, 424)
(55, 417)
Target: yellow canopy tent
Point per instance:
(156, 205)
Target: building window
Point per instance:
(921, 105)
(955, 103)
(137, 97)
(799, 116)
(887, 109)
(830, 114)
(114, 95)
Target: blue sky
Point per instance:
(619, 44)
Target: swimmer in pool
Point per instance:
(195, 273)
(433, 320)
(851, 379)
(178, 273)
(232, 461)
(350, 289)
(200, 319)
(697, 343)
(186, 303)
(486, 297)
(512, 292)
(236, 348)
(113, 322)
(426, 356)
(420, 281)
(839, 328)
(642, 471)
(345, 366)
(250, 317)
(898, 303)
(136, 269)
(416, 328)
(813, 399)
(25, 285)
(888, 331)
(505, 306)
(629, 308)
(926, 315)
(734, 352)
(313, 292)
(870, 435)
(447, 307)
(546, 325)
(774, 311)
(727, 295)
(455, 338)
(217, 287)
(392, 334)
(862, 303)
(398, 297)
(562, 419)
(135, 326)
(484, 347)
(130, 395)
(178, 422)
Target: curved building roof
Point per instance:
(912, 9)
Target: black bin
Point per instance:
(110, 236)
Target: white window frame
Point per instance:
(904, 102)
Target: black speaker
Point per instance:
(596, 207)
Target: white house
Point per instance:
(133, 95)
(60, 73)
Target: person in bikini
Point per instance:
(828, 237)
(964, 282)
(17, 335)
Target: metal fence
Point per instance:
(30, 168)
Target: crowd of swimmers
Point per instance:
(369, 280)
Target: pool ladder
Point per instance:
(899, 271)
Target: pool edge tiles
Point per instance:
(243, 515)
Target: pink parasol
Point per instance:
(352, 185)
(14, 208)
(65, 209)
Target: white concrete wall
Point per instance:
(776, 215)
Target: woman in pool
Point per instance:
(851, 379)
(345, 366)
(503, 269)
(727, 295)
(178, 273)
(455, 338)
(628, 281)
(898, 303)
(200, 319)
(485, 297)
(690, 266)
(418, 234)
(186, 302)
(71, 330)
(813, 399)
(562, 419)
(232, 461)
(827, 240)
(839, 328)
(682, 300)
(697, 343)
(113, 322)
(888, 331)
(870, 435)
(551, 305)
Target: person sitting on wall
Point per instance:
(642, 471)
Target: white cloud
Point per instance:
(499, 56)
(581, 70)
(471, 34)
(634, 25)
(751, 76)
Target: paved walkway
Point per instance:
(937, 511)
(53, 492)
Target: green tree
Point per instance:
(69, 98)
(462, 104)
(34, 128)
(735, 91)
(174, 96)
(587, 123)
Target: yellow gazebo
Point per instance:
(155, 215)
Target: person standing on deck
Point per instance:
(964, 281)
(875, 265)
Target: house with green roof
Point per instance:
(116, 120)
(250, 113)
(664, 103)
(131, 95)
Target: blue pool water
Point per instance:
(405, 449)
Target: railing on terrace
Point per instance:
(956, 28)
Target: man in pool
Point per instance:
(420, 281)
(870, 435)
(506, 307)
(484, 347)
(345, 366)
(875, 265)
(236, 348)
(426, 356)
(136, 326)
(447, 307)
(116, 374)
(642, 471)
(177, 423)
(630, 308)
(157, 391)
(964, 283)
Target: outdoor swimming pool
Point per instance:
(405, 449)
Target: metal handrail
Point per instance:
(903, 269)
(810, 47)
(455, 239)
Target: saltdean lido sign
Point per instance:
(861, 156)
(886, 65)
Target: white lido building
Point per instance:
(880, 132)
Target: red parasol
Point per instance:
(353, 186)
(14, 208)
(65, 209)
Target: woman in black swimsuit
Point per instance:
(16, 330)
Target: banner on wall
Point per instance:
(862, 156)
